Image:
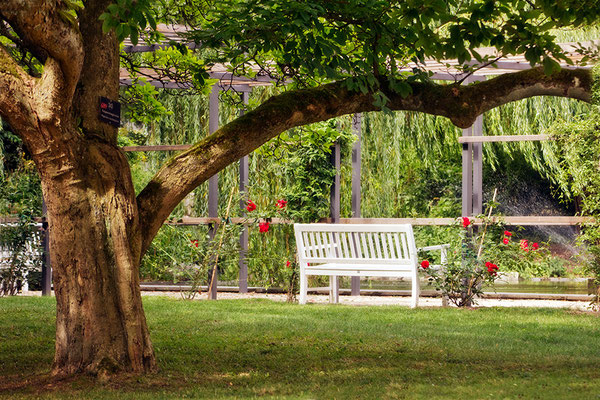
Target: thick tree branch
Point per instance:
(16, 100)
(99, 74)
(461, 104)
(41, 23)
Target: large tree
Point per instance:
(342, 56)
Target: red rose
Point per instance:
(195, 242)
(507, 233)
(263, 227)
(524, 244)
(251, 206)
(424, 264)
(288, 263)
(281, 203)
(466, 222)
(505, 240)
(535, 246)
(491, 268)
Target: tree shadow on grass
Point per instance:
(250, 349)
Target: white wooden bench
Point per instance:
(6, 255)
(358, 250)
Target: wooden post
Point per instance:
(243, 265)
(46, 266)
(334, 210)
(213, 182)
(477, 202)
(467, 189)
(356, 194)
(467, 175)
(472, 166)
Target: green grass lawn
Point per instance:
(258, 348)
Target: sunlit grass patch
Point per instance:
(259, 348)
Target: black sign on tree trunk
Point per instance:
(110, 111)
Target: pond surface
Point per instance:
(527, 286)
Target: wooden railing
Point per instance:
(508, 220)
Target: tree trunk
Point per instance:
(100, 327)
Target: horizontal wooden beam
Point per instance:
(505, 138)
(412, 221)
(209, 220)
(162, 147)
(513, 221)
(545, 220)
(161, 84)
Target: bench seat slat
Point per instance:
(367, 265)
(365, 273)
(320, 247)
(350, 238)
(361, 261)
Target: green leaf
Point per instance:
(550, 66)
(134, 37)
(151, 20)
(106, 23)
(113, 9)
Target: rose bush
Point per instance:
(478, 254)
(467, 269)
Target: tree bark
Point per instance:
(92, 210)
(100, 325)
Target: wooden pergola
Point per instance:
(471, 141)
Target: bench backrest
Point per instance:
(30, 252)
(356, 244)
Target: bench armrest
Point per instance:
(442, 247)
(437, 247)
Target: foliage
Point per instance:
(272, 259)
(20, 197)
(366, 42)
(304, 155)
(596, 85)
(10, 150)
(129, 18)
(410, 166)
(20, 191)
(141, 103)
(527, 257)
(210, 258)
(20, 253)
(578, 144)
(184, 254)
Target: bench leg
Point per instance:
(334, 289)
(25, 283)
(303, 288)
(416, 292)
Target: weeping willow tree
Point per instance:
(417, 159)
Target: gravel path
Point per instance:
(390, 300)
(375, 300)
